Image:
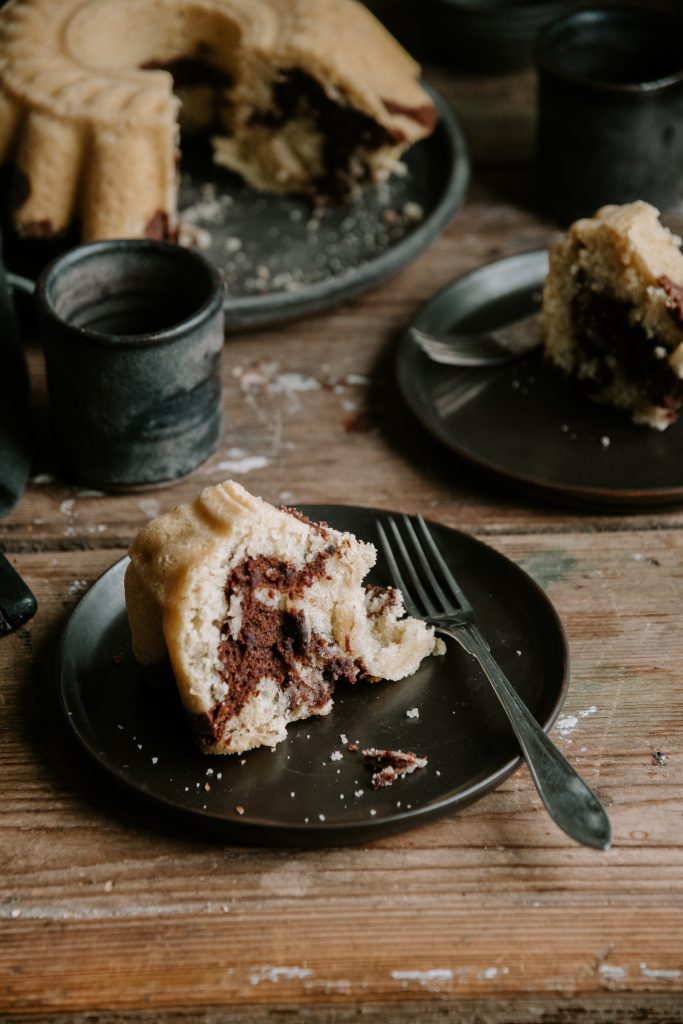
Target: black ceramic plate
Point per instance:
(524, 421)
(303, 793)
(280, 260)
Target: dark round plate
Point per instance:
(302, 793)
(524, 422)
(280, 260)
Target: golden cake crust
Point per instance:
(625, 261)
(93, 133)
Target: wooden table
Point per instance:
(112, 914)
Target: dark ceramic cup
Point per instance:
(610, 106)
(132, 333)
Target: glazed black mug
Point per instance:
(610, 110)
(132, 332)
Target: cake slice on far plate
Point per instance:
(260, 612)
(613, 309)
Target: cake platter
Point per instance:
(311, 790)
(524, 422)
(280, 257)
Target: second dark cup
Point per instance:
(132, 333)
(610, 105)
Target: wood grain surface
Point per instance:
(111, 913)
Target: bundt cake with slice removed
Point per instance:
(613, 309)
(261, 612)
(301, 96)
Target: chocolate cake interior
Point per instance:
(348, 133)
(275, 643)
(607, 335)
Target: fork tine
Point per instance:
(446, 604)
(462, 387)
(447, 575)
(415, 593)
(427, 603)
(431, 344)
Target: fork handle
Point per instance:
(568, 799)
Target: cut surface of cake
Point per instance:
(613, 309)
(261, 612)
(301, 96)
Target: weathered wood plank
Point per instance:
(608, 1008)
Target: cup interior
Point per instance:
(616, 46)
(124, 289)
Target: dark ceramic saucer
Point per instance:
(303, 793)
(523, 422)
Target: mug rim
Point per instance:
(595, 15)
(88, 250)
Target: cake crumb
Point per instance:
(336, 755)
(239, 809)
(389, 765)
(413, 713)
(605, 441)
(353, 747)
(412, 211)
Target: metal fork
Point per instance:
(433, 594)
(487, 348)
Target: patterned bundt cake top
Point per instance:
(84, 58)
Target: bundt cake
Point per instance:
(613, 309)
(260, 612)
(307, 96)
